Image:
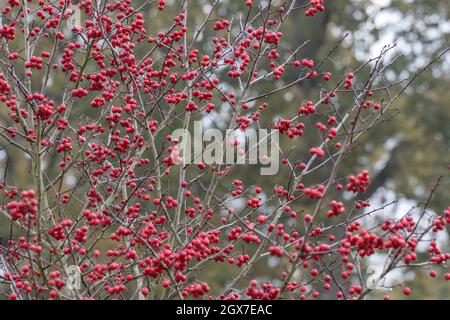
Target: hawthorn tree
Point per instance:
(92, 91)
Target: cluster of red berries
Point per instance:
(358, 183)
(58, 231)
(25, 209)
(337, 208)
(315, 6)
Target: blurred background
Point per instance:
(404, 155)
